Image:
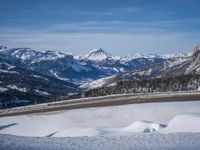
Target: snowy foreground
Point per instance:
(150, 141)
(168, 125)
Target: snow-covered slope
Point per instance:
(52, 63)
(115, 64)
(124, 127)
(180, 55)
(28, 55)
(98, 55)
(19, 86)
(175, 141)
(138, 56)
(104, 61)
(183, 123)
(97, 83)
(95, 65)
(106, 121)
(171, 66)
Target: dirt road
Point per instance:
(101, 101)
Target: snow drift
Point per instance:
(143, 126)
(107, 121)
(188, 122)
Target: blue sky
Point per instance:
(118, 26)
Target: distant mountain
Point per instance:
(59, 65)
(173, 66)
(84, 69)
(180, 55)
(30, 76)
(103, 61)
(112, 65)
(137, 61)
(99, 55)
(19, 86)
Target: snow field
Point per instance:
(107, 121)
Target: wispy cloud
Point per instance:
(124, 11)
(116, 43)
(149, 37)
(113, 25)
(96, 13)
(123, 26)
(112, 11)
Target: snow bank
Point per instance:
(143, 126)
(105, 121)
(183, 123)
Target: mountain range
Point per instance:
(94, 65)
(170, 67)
(35, 76)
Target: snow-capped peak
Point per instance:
(24, 53)
(98, 55)
(30, 55)
(138, 55)
(180, 55)
(96, 50)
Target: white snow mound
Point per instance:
(183, 123)
(142, 126)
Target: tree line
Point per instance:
(163, 84)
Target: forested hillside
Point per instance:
(164, 84)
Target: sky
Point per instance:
(120, 27)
